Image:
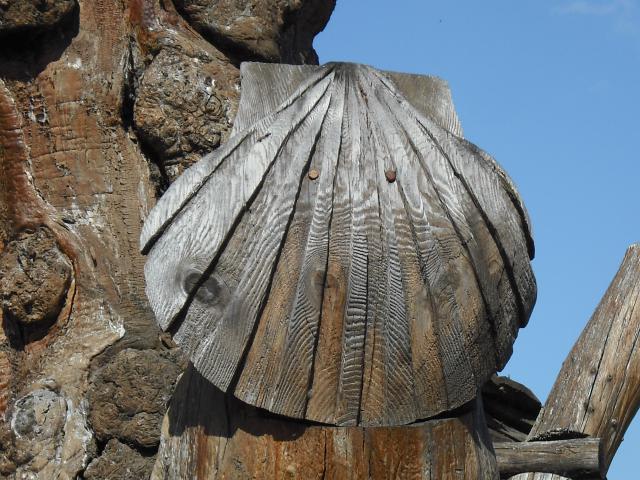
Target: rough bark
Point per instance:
(597, 392)
(276, 31)
(33, 16)
(102, 104)
(119, 462)
(211, 435)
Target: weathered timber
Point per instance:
(342, 296)
(597, 392)
(210, 435)
(263, 91)
(575, 458)
(511, 409)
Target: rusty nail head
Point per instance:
(391, 175)
(313, 174)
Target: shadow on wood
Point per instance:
(209, 435)
(26, 52)
(197, 403)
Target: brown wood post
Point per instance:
(211, 435)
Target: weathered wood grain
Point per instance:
(597, 391)
(282, 352)
(266, 85)
(383, 288)
(453, 296)
(204, 219)
(211, 435)
(245, 267)
(486, 213)
(576, 458)
(511, 409)
(430, 96)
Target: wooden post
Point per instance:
(597, 392)
(209, 435)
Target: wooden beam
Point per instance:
(575, 458)
(597, 392)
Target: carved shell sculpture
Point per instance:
(346, 257)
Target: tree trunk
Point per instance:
(102, 104)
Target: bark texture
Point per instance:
(276, 31)
(102, 104)
(33, 16)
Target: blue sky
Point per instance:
(552, 90)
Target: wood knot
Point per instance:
(390, 176)
(35, 277)
(313, 174)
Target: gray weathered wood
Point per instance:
(266, 85)
(597, 391)
(430, 96)
(482, 198)
(576, 458)
(345, 257)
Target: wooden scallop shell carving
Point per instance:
(346, 257)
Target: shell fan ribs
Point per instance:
(346, 257)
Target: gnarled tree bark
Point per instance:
(102, 104)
